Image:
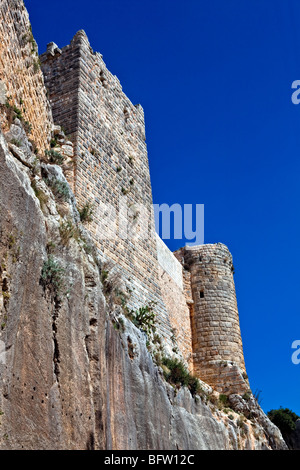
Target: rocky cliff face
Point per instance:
(75, 373)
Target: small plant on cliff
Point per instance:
(18, 113)
(27, 127)
(36, 65)
(67, 231)
(86, 212)
(16, 142)
(177, 375)
(111, 279)
(52, 276)
(30, 39)
(53, 142)
(54, 157)
(60, 188)
(124, 191)
(104, 276)
(144, 319)
(13, 111)
(247, 395)
(223, 400)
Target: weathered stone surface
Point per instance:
(70, 379)
(249, 408)
(46, 390)
(74, 372)
(20, 75)
(3, 92)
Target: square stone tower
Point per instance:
(111, 168)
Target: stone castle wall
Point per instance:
(111, 168)
(21, 78)
(175, 299)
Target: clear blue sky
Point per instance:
(214, 78)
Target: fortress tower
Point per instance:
(216, 336)
(111, 168)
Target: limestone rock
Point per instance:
(71, 379)
(2, 92)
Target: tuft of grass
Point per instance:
(13, 112)
(247, 396)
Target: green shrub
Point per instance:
(223, 400)
(176, 373)
(14, 110)
(18, 113)
(247, 396)
(30, 39)
(53, 142)
(52, 276)
(194, 385)
(104, 280)
(144, 319)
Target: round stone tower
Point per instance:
(216, 336)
